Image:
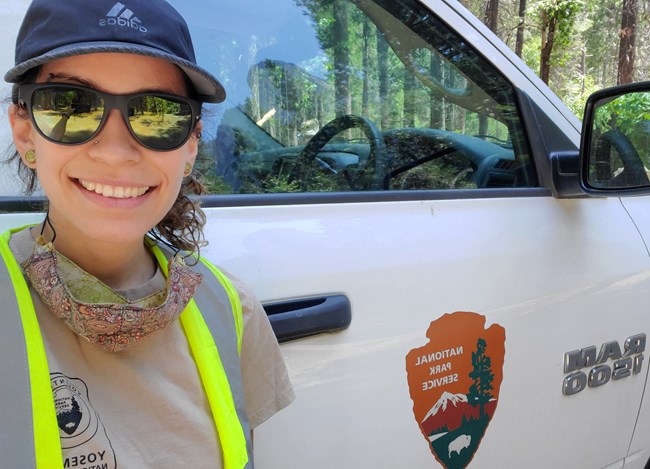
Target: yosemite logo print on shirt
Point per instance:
(84, 442)
(120, 15)
(454, 382)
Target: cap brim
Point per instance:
(208, 88)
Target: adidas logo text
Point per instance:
(119, 15)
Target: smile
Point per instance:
(117, 192)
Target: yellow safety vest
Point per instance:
(25, 377)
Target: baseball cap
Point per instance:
(54, 29)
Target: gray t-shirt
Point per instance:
(145, 406)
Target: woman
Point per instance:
(143, 353)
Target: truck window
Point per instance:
(361, 95)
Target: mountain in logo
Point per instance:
(451, 410)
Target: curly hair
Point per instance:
(181, 227)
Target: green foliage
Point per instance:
(446, 172)
(576, 94)
(204, 165)
(216, 185)
(601, 41)
(626, 113)
(275, 184)
(564, 12)
(530, 54)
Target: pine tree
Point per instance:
(479, 391)
(627, 45)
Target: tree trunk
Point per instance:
(519, 43)
(583, 71)
(343, 98)
(254, 78)
(491, 18)
(627, 50)
(436, 103)
(409, 99)
(382, 78)
(365, 93)
(482, 124)
(549, 23)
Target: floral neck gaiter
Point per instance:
(112, 326)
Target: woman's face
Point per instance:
(91, 186)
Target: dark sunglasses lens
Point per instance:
(160, 123)
(67, 115)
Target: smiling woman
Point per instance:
(116, 157)
(107, 119)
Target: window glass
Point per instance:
(340, 95)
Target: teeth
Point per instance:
(117, 192)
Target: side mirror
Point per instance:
(615, 147)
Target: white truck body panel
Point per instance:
(353, 407)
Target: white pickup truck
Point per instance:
(455, 280)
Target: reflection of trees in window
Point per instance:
(286, 97)
(629, 115)
(358, 71)
(364, 76)
(446, 172)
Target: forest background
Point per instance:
(575, 46)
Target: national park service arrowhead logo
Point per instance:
(454, 382)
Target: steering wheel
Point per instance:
(634, 173)
(376, 156)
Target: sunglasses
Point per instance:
(72, 115)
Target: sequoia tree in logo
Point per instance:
(454, 383)
(69, 416)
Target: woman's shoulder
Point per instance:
(21, 243)
(247, 297)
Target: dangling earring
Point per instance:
(30, 156)
(188, 169)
